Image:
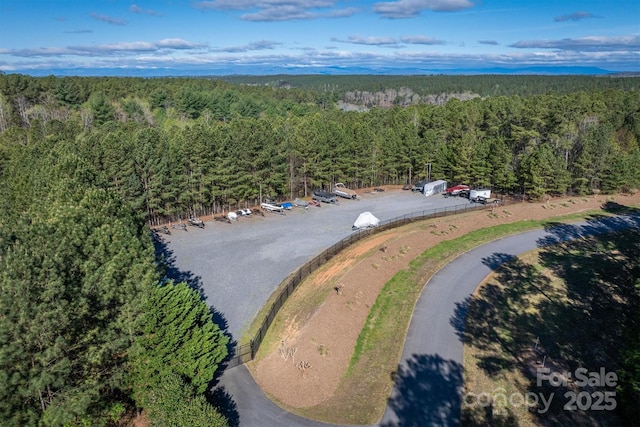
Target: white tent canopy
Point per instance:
(365, 220)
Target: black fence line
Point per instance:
(247, 352)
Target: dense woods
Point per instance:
(87, 331)
(483, 85)
(174, 147)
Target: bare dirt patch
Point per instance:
(305, 367)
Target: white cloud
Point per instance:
(411, 8)
(372, 41)
(312, 59)
(262, 4)
(421, 40)
(178, 44)
(576, 16)
(259, 45)
(134, 8)
(614, 53)
(107, 49)
(590, 43)
(108, 19)
(279, 10)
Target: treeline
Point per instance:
(99, 99)
(172, 159)
(424, 85)
(89, 335)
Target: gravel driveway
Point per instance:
(239, 265)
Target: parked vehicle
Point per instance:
(270, 207)
(163, 229)
(222, 218)
(456, 190)
(300, 203)
(179, 226)
(341, 190)
(324, 196)
(478, 195)
(435, 187)
(419, 186)
(195, 222)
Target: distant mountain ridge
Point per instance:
(273, 70)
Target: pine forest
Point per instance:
(90, 332)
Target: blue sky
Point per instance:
(224, 36)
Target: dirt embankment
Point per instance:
(305, 367)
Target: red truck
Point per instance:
(456, 190)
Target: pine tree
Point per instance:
(71, 281)
(174, 404)
(180, 338)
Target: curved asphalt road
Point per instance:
(428, 385)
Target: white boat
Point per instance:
(365, 220)
(272, 208)
(301, 203)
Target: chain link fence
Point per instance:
(247, 352)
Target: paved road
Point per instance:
(428, 386)
(430, 376)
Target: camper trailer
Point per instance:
(435, 187)
(479, 195)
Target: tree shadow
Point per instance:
(488, 416)
(428, 392)
(596, 224)
(581, 317)
(494, 261)
(217, 396)
(486, 319)
(167, 260)
(221, 321)
(617, 208)
(225, 405)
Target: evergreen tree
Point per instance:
(101, 108)
(71, 279)
(179, 338)
(174, 404)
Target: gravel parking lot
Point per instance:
(239, 265)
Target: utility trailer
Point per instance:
(474, 194)
(482, 197)
(324, 196)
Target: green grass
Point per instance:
(363, 392)
(379, 346)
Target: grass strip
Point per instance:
(362, 395)
(369, 378)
